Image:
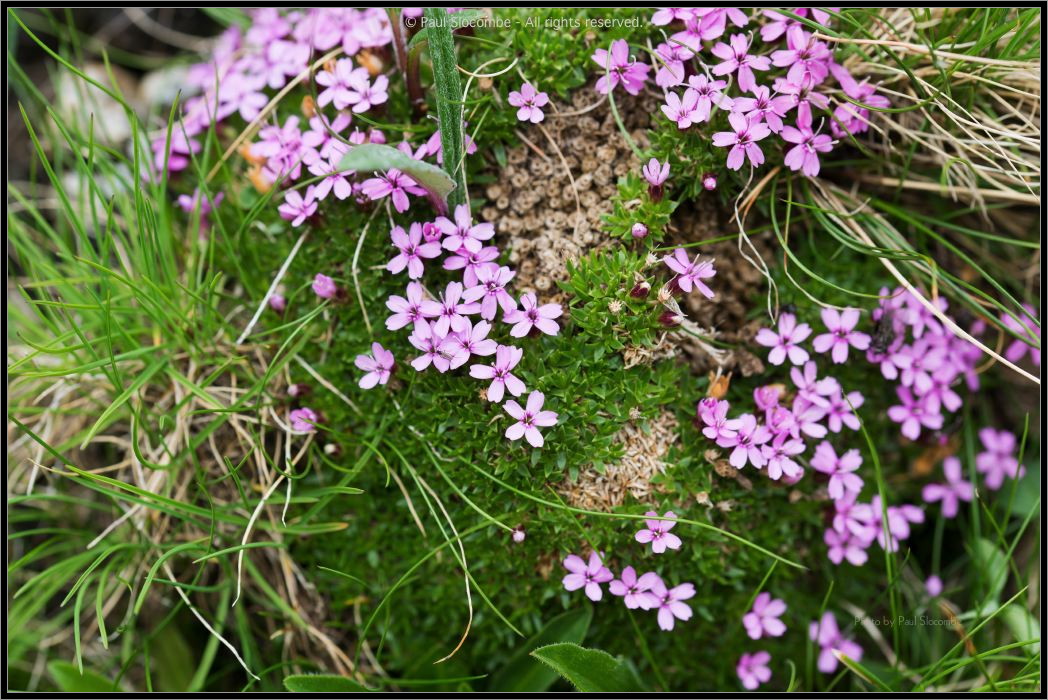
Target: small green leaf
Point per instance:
(376, 157)
(589, 670)
(69, 679)
(523, 674)
(322, 683)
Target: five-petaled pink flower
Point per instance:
(407, 310)
(829, 638)
(393, 184)
(691, 272)
(785, 343)
(805, 155)
(842, 333)
(752, 669)
(913, 414)
(469, 262)
(658, 532)
(433, 347)
(681, 111)
(586, 575)
(669, 603)
(324, 287)
(841, 470)
(506, 358)
(530, 103)
(743, 140)
(620, 69)
(714, 414)
(763, 106)
(635, 590)
(468, 341)
(491, 291)
(763, 620)
(955, 489)
(462, 232)
(298, 207)
(376, 366)
(531, 315)
(806, 56)
(529, 419)
(998, 460)
(746, 444)
(303, 420)
(707, 96)
(412, 250)
(449, 311)
(735, 57)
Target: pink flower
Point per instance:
(848, 117)
(336, 84)
(393, 184)
(829, 638)
(635, 591)
(303, 420)
(998, 460)
(407, 310)
(506, 358)
(530, 103)
(839, 413)
(806, 56)
(811, 390)
(449, 312)
(656, 173)
(529, 419)
(933, 586)
(763, 620)
(377, 366)
(324, 287)
(671, 69)
(639, 230)
(277, 302)
(955, 489)
(681, 111)
(469, 262)
(715, 20)
(709, 182)
(752, 669)
(763, 106)
(433, 347)
(842, 333)
(531, 315)
(669, 603)
(412, 250)
(463, 233)
(620, 69)
(668, 15)
(779, 454)
(363, 94)
(736, 58)
(779, 23)
(805, 155)
(749, 436)
(589, 576)
(1028, 328)
(491, 288)
(898, 521)
(691, 272)
(297, 208)
(785, 343)
(320, 142)
(841, 469)
(714, 413)
(913, 413)
(708, 93)
(743, 141)
(335, 179)
(469, 340)
(658, 533)
(845, 545)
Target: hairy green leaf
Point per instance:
(375, 157)
(449, 99)
(523, 674)
(322, 683)
(589, 670)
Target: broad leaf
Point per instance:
(375, 157)
(322, 683)
(523, 674)
(1023, 626)
(69, 679)
(589, 670)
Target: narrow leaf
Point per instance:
(320, 683)
(449, 99)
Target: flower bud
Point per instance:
(324, 287)
(297, 391)
(709, 181)
(641, 290)
(670, 319)
(277, 302)
(518, 534)
(639, 230)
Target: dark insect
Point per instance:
(883, 334)
(789, 309)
